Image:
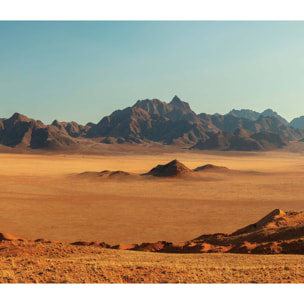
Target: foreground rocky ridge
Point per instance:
(277, 232)
(42, 262)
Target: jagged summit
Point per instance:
(245, 113)
(72, 128)
(171, 169)
(55, 123)
(19, 117)
(270, 113)
(168, 123)
(176, 100)
(152, 106)
(156, 106)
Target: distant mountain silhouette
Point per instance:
(230, 123)
(245, 113)
(242, 140)
(175, 123)
(271, 113)
(152, 120)
(297, 122)
(253, 115)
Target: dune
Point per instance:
(277, 232)
(94, 244)
(9, 237)
(40, 197)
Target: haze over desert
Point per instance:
(44, 196)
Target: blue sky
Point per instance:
(83, 71)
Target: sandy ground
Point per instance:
(61, 263)
(41, 197)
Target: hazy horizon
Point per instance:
(81, 71)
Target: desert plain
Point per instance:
(44, 196)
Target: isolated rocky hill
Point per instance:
(173, 169)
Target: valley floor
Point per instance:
(41, 196)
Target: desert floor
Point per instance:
(42, 196)
(62, 263)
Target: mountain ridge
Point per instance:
(153, 120)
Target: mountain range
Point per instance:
(152, 120)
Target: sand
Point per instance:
(41, 197)
(23, 262)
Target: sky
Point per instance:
(82, 71)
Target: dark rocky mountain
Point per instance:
(273, 124)
(20, 130)
(242, 140)
(72, 128)
(152, 120)
(175, 110)
(297, 122)
(271, 113)
(219, 141)
(230, 123)
(245, 113)
(253, 115)
(90, 124)
(175, 123)
(226, 123)
(51, 138)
